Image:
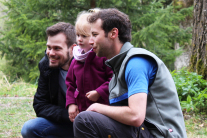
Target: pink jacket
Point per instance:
(83, 77)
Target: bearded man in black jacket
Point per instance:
(49, 101)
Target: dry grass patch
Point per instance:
(16, 89)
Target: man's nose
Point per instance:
(52, 52)
(91, 41)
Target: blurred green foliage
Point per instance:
(156, 27)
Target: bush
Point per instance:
(192, 90)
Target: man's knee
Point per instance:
(33, 127)
(83, 117)
(85, 120)
(28, 128)
(83, 125)
(80, 119)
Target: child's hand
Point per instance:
(93, 95)
(73, 112)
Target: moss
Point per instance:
(201, 69)
(192, 63)
(204, 71)
(206, 47)
(199, 66)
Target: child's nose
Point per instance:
(79, 39)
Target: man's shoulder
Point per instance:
(136, 50)
(44, 61)
(44, 66)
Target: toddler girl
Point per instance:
(88, 76)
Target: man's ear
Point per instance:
(73, 46)
(114, 33)
(71, 50)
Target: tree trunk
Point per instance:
(93, 3)
(198, 61)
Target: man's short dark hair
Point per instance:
(113, 18)
(62, 27)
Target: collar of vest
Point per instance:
(115, 62)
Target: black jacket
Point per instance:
(48, 101)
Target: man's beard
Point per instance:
(60, 63)
(101, 51)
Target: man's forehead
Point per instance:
(98, 22)
(55, 43)
(96, 25)
(57, 36)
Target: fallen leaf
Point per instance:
(201, 125)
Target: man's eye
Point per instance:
(94, 35)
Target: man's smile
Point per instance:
(52, 59)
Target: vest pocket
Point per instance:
(143, 132)
(154, 130)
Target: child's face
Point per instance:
(83, 42)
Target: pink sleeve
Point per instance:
(71, 85)
(103, 90)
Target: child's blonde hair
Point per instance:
(82, 25)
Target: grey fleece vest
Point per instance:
(163, 108)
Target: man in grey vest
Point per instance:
(143, 97)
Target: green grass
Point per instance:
(13, 114)
(196, 125)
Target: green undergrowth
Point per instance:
(192, 91)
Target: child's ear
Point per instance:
(73, 46)
(114, 33)
(71, 50)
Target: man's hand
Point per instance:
(93, 95)
(94, 107)
(73, 112)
